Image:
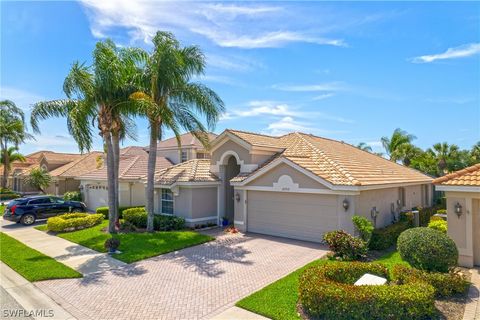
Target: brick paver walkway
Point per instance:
(472, 309)
(194, 283)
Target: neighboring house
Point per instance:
(132, 168)
(47, 160)
(191, 148)
(297, 185)
(462, 190)
(64, 176)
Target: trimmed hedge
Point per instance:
(72, 196)
(440, 225)
(328, 292)
(104, 211)
(9, 196)
(138, 218)
(384, 238)
(345, 246)
(427, 249)
(445, 284)
(73, 221)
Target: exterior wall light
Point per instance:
(458, 210)
(374, 215)
(237, 197)
(345, 204)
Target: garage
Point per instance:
(291, 215)
(97, 196)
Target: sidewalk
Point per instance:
(84, 260)
(33, 301)
(472, 309)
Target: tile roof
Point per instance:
(32, 161)
(466, 177)
(55, 157)
(133, 150)
(195, 170)
(88, 162)
(337, 162)
(130, 168)
(186, 139)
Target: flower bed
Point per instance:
(328, 292)
(73, 221)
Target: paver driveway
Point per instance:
(194, 283)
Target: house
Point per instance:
(191, 148)
(296, 185)
(132, 168)
(462, 191)
(47, 160)
(63, 178)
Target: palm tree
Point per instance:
(445, 156)
(12, 155)
(365, 147)
(98, 95)
(39, 179)
(476, 152)
(393, 144)
(170, 100)
(12, 131)
(407, 152)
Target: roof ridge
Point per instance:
(254, 133)
(333, 163)
(135, 158)
(458, 173)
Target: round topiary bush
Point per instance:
(427, 249)
(73, 221)
(328, 292)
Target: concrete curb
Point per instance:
(30, 297)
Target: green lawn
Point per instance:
(135, 246)
(279, 299)
(31, 264)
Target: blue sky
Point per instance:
(347, 71)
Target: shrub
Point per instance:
(364, 227)
(445, 284)
(138, 218)
(436, 218)
(327, 292)
(384, 238)
(425, 214)
(345, 246)
(104, 211)
(72, 196)
(427, 249)
(112, 244)
(442, 211)
(440, 225)
(9, 196)
(73, 221)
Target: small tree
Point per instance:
(364, 227)
(39, 178)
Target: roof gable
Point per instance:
(466, 177)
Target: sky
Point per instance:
(350, 71)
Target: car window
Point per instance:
(39, 201)
(57, 200)
(16, 202)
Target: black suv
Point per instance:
(28, 209)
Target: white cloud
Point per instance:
(22, 98)
(261, 108)
(462, 51)
(244, 25)
(289, 124)
(323, 96)
(233, 63)
(327, 86)
(217, 79)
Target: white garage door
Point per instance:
(97, 197)
(291, 215)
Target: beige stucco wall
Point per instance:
(272, 176)
(382, 200)
(174, 154)
(465, 230)
(204, 202)
(230, 146)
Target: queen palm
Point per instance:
(475, 153)
(393, 145)
(365, 147)
(169, 99)
(12, 132)
(97, 95)
(444, 154)
(12, 155)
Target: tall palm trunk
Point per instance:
(116, 165)
(152, 159)
(110, 181)
(6, 164)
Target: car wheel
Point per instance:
(27, 219)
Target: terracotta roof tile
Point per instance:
(186, 139)
(130, 168)
(85, 164)
(466, 177)
(196, 170)
(133, 150)
(337, 162)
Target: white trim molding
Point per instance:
(241, 223)
(457, 188)
(300, 190)
(223, 161)
(200, 219)
(285, 183)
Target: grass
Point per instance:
(31, 264)
(279, 299)
(134, 246)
